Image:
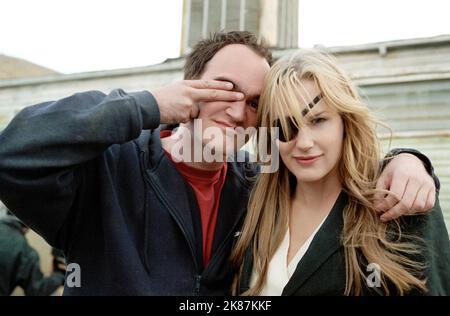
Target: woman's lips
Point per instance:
(307, 160)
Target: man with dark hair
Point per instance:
(97, 177)
(205, 50)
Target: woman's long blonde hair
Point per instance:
(365, 238)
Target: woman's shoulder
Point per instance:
(427, 225)
(434, 240)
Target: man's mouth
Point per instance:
(225, 124)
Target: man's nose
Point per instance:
(236, 111)
(304, 140)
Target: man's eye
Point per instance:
(317, 120)
(254, 104)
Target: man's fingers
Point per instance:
(194, 111)
(212, 90)
(409, 197)
(398, 189)
(208, 95)
(379, 196)
(209, 84)
(420, 201)
(178, 103)
(396, 192)
(394, 202)
(392, 213)
(407, 202)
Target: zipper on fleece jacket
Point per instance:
(218, 254)
(198, 279)
(179, 222)
(220, 249)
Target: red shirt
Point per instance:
(207, 186)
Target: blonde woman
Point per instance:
(311, 227)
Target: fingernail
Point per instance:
(384, 219)
(229, 85)
(239, 95)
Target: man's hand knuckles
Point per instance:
(186, 91)
(405, 205)
(214, 95)
(393, 198)
(419, 206)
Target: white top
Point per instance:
(279, 272)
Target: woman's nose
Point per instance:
(304, 140)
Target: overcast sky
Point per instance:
(88, 35)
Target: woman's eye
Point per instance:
(317, 120)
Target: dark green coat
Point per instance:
(321, 271)
(19, 263)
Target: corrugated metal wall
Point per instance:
(419, 115)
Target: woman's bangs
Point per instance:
(287, 107)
